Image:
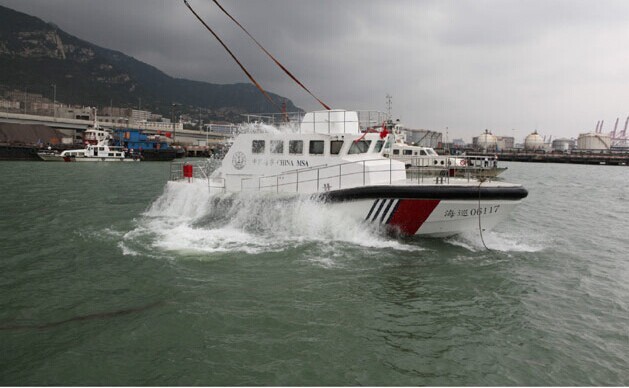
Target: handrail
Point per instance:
(319, 179)
(318, 167)
(335, 176)
(297, 182)
(303, 169)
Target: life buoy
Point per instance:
(463, 162)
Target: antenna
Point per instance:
(389, 104)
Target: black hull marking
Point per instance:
(386, 210)
(379, 209)
(371, 210)
(426, 192)
(397, 205)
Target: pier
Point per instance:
(619, 158)
(71, 127)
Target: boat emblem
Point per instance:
(239, 160)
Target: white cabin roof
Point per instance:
(331, 121)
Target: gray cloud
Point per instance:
(510, 66)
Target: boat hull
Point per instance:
(434, 211)
(12, 152)
(50, 157)
(428, 217)
(166, 155)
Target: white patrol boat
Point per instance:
(98, 153)
(426, 160)
(97, 148)
(328, 157)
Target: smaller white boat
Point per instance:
(98, 153)
(427, 160)
(97, 148)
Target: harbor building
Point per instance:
(563, 144)
(505, 142)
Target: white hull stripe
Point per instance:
(393, 210)
(388, 210)
(377, 213)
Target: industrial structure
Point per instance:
(534, 142)
(617, 139)
(594, 141)
(486, 142)
(563, 144)
(423, 137)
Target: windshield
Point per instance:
(359, 147)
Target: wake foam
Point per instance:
(187, 218)
(496, 241)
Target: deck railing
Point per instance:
(321, 178)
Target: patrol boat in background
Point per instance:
(423, 160)
(98, 153)
(328, 157)
(97, 148)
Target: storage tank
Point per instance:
(487, 141)
(563, 144)
(533, 142)
(594, 141)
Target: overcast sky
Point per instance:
(508, 66)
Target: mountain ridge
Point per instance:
(35, 54)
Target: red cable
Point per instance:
(272, 57)
(234, 57)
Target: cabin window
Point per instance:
(111, 154)
(359, 147)
(408, 152)
(101, 148)
(335, 147)
(257, 146)
(316, 147)
(415, 153)
(296, 147)
(396, 152)
(378, 146)
(277, 146)
(422, 152)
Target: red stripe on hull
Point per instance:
(411, 214)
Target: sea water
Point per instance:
(111, 275)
